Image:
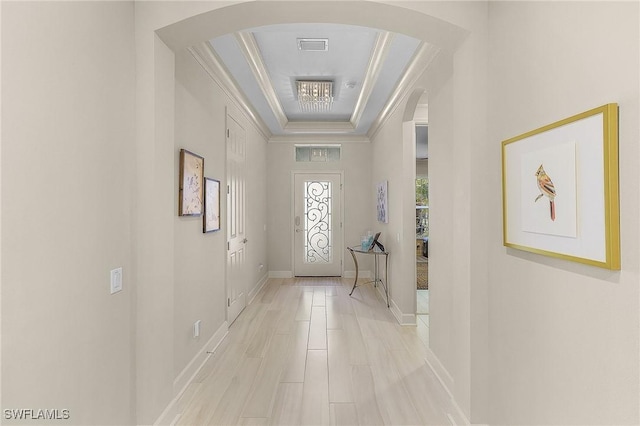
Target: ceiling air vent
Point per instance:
(313, 44)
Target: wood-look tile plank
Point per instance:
(281, 300)
(244, 327)
(357, 348)
(389, 331)
(319, 297)
(269, 291)
(340, 389)
(297, 359)
(287, 319)
(315, 392)
(318, 328)
(343, 414)
(260, 400)
(261, 337)
(304, 306)
(413, 339)
(364, 392)
(387, 386)
(189, 393)
(393, 399)
(344, 300)
(228, 410)
(203, 403)
(423, 388)
(334, 317)
(288, 405)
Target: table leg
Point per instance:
(386, 277)
(355, 261)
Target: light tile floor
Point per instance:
(306, 353)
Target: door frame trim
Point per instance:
(293, 214)
(233, 115)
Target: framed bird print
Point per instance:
(560, 189)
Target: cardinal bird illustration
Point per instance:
(546, 188)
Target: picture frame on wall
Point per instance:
(211, 218)
(560, 189)
(382, 202)
(191, 190)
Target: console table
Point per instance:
(376, 252)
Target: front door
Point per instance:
(236, 237)
(317, 224)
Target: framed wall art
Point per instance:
(560, 189)
(382, 202)
(191, 192)
(211, 219)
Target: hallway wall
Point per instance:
(355, 162)
(564, 336)
(94, 118)
(67, 170)
(200, 259)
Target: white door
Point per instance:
(236, 238)
(317, 224)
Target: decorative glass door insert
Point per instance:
(317, 224)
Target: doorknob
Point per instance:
(245, 241)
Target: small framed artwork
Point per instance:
(382, 202)
(211, 220)
(560, 189)
(191, 193)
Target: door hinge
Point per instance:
(341, 187)
(228, 133)
(228, 189)
(228, 245)
(228, 302)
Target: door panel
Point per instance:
(317, 224)
(236, 238)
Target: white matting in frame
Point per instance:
(588, 143)
(540, 213)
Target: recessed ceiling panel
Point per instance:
(346, 60)
(352, 53)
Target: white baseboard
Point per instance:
(361, 274)
(446, 381)
(170, 414)
(403, 319)
(256, 289)
(280, 274)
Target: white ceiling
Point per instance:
(264, 63)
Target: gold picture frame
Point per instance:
(560, 189)
(191, 190)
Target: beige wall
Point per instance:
(564, 336)
(520, 338)
(455, 85)
(67, 158)
(200, 259)
(355, 162)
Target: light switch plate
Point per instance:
(196, 329)
(116, 280)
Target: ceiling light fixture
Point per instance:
(315, 96)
